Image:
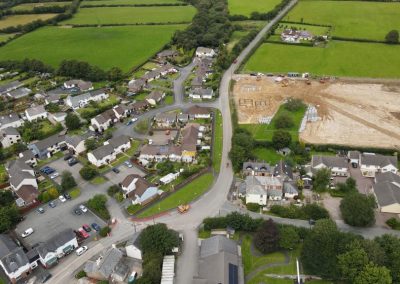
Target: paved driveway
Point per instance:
(364, 184)
(123, 172)
(60, 165)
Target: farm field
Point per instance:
(30, 6)
(245, 8)
(338, 58)
(132, 15)
(350, 19)
(15, 20)
(126, 2)
(94, 45)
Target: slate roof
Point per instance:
(261, 184)
(378, 160)
(73, 140)
(217, 244)
(8, 131)
(197, 110)
(19, 93)
(141, 184)
(135, 240)
(354, 155)
(7, 119)
(49, 141)
(283, 169)
(387, 193)
(110, 260)
(329, 161)
(257, 166)
(18, 172)
(55, 242)
(75, 100)
(166, 117)
(35, 110)
(388, 176)
(103, 151)
(118, 141)
(203, 91)
(12, 85)
(12, 256)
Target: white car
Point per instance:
(128, 164)
(150, 141)
(134, 119)
(54, 175)
(83, 208)
(81, 250)
(62, 198)
(27, 232)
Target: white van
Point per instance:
(81, 250)
(27, 232)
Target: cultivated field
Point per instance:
(132, 15)
(124, 47)
(15, 20)
(351, 19)
(30, 6)
(339, 58)
(356, 114)
(127, 2)
(245, 8)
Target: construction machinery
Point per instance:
(285, 82)
(183, 208)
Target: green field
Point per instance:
(339, 58)
(268, 155)
(30, 6)
(127, 2)
(240, 7)
(184, 195)
(5, 37)
(132, 15)
(351, 19)
(15, 20)
(104, 47)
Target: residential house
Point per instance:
(9, 136)
(28, 158)
(13, 259)
(57, 117)
(108, 152)
(47, 147)
(183, 118)
(370, 164)
(80, 101)
(132, 247)
(76, 143)
(205, 52)
(54, 96)
(165, 119)
(59, 245)
(202, 93)
(295, 36)
(196, 112)
(283, 170)
(135, 86)
(169, 178)
(19, 93)
(134, 185)
(103, 121)
(155, 97)
(138, 107)
(10, 86)
(261, 188)
(36, 113)
(220, 261)
(387, 192)
(257, 169)
(197, 83)
(160, 153)
(354, 157)
(167, 54)
(190, 139)
(121, 111)
(10, 120)
(83, 86)
(337, 165)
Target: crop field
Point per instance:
(15, 20)
(338, 58)
(30, 6)
(105, 47)
(350, 19)
(126, 2)
(132, 15)
(245, 8)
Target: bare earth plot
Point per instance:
(355, 114)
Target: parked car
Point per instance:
(72, 161)
(54, 175)
(67, 157)
(115, 170)
(81, 250)
(67, 196)
(83, 208)
(52, 204)
(96, 227)
(62, 198)
(83, 233)
(47, 170)
(40, 210)
(77, 211)
(129, 122)
(134, 119)
(45, 277)
(27, 232)
(86, 227)
(128, 164)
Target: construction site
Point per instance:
(349, 113)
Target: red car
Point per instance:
(84, 234)
(86, 228)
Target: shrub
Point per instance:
(281, 139)
(133, 208)
(358, 209)
(67, 181)
(283, 121)
(104, 231)
(392, 37)
(309, 211)
(88, 172)
(80, 274)
(393, 223)
(254, 207)
(112, 190)
(98, 205)
(266, 240)
(119, 197)
(293, 104)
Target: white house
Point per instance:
(75, 143)
(79, 84)
(10, 120)
(134, 185)
(132, 247)
(103, 121)
(83, 100)
(35, 113)
(259, 189)
(107, 153)
(201, 94)
(57, 117)
(370, 164)
(205, 52)
(337, 165)
(169, 178)
(9, 136)
(155, 97)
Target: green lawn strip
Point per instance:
(235, 37)
(5, 37)
(218, 137)
(372, 60)
(245, 8)
(16, 20)
(184, 195)
(169, 100)
(127, 2)
(132, 15)
(98, 180)
(268, 155)
(30, 6)
(141, 96)
(75, 192)
(203, 234)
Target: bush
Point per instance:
(112, 190)
(234, 220)
(88, 172)
(98, 205)
(283, 121)
(67, 181)
(393, 223)
(254, 207)
(104, 231)
(392, 37)
(119, 197)
(80, 274)
(358, 209)
(266, 239)
(309, 211)
(133, 208)
(293, 104)
(281, 139)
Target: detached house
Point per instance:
(103, 121)
(108, 152)
(155, 97)
(261, 188)
(370, 164)
(80, 101)
(387, 192)
(9, 136)
(196, 112)
(10, 120)
(35, 113)
(47, 147)
(205, 52)
(76, 144)
(79, 84)
(139, 190)
(10, 86)
(202, 93)
(337, 165)
(19, 93)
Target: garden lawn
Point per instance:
(218, 138)
(75, 192)
(30, 6)
(127, 2)
(98, 180)
(245, 8)
(338, 58)
(104, 47)
(15, 20)
(184, 195)
(169, 100)
(3, 173)
(132, 15)
(350, 19)
(268, 155)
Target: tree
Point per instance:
(283, 121)
(165, 167)
(90, 144)
(53, 193)
(72, 121)
(52, 107)
(88, 172)
(9, 217)
(358, 209)
(315, 211)
(115, 74)
(289, 238)
(321, 179)
(392, 36)
(348, 186)
(352, 262)
(98, 204)
(391, 246)
(293, 104)
(373, 274)
(6, 198)
(266, 239)
(67, 181)
(158, 239)
(281, 139)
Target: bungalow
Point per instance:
(261, 188)
(387, 192)
(10, 86)
(196, 112)
(160, 153)
(108, 152)
(133, 248)
(10, 120)
(13, 259)
(205, 52)
(9, 136)
(370, 164)
(80, 84)
(294, 36)
(19, 93)
(202, 93)
(75, 143)
(47, 147)
(337, 165)
(136, 86)
(36, 113)
(155, 97)
(134, 185)
(165, 119)
(167, 54)
(83, 100)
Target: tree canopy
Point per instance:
(392, 36)
(321, 180)
(358, 209)
(266, 238)
(72, 121)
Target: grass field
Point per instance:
(132, 15)
(127, 2)
(235, 37)
(15, 20)
(351, 19)
(30, 6)
(185, 195)
(338, 58)
(104, 47)
(217, 146)
(268, 155)
(245, 8)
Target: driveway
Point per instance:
(123, 172)
(364, 184)
(60, 165)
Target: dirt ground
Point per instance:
(352, 113)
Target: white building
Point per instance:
(107, 153)
(205, 52)
(370, 164)
(80, 101)
(337, 165)
(9, 136)
(10, 120)
(132, 247)
(35, 113)
(169, 178)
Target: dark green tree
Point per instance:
(88, 172)
(266, 239)
(392, 37)
(67, 181)
(72, 121)
(283, 121)
(115, 74)
(158, 239)
(373, 274)
(321, 180)
(358, 209)
(91, 144)
(352, 262)
(288, 238)
(281, 139)
(391, 246)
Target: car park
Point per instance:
(128, 164)
(67, 196)
(27, 233)
(52, 204)
(54, 175)
(134, 119)
(62, 198)
(96, 227)
(67, 157)
(84, 234)
(40, 210)
(86, 227)
(81, 250)
(72, 161)
(129, 122)
(83, 208)
(115, 170)
(47, 170)
(77, 211)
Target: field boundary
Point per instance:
(133, 5)
(122, 25)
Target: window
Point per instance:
(233, 274)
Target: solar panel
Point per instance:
(233, 274)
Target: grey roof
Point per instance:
(329, 161)
(9, 131)
(18, 171)
(75, 100)
(12, 256)
(217, 244)
(353, 154)
(55, 94)
(73, 140)
(378, 160)
(49, 141)
(103, 151)
(119, 140)
(35, 110)
(135, 240)
(202, 49)
(165, 116)
(283, 169)
(26, 155)
(19, 93)
(155, 95)
(263, 185)
(98, 92)
(387, 193)
(110, 260)
(83, 85)
(388, 176)
(10, 86)
(203, 91)
(55, 242)
(290, 187)
(10, 118)
(167, 53)
(257, 166)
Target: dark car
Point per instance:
(52, 204)
(67, 157)
(72, 161)
(96, 227)
(78, 211)
(67, 196)
(86, 227)
(40, 210)
(115, 170)
(45, 277)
